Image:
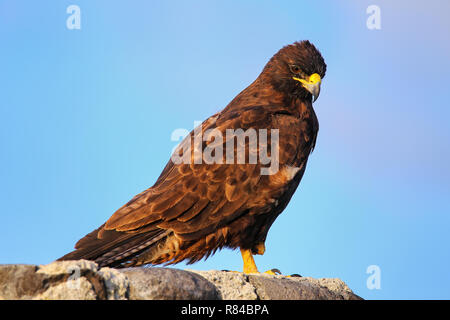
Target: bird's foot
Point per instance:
(273, 272)
(249, 262)
(277, 272)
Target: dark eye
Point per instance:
(295, 68)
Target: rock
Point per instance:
(168, 284)
(299, 288)
(239, 286)
(19, 281)
(231, 285)
(83, 280)
(116, 283)
(62, 280)
(337, 286)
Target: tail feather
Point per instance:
(114, 248)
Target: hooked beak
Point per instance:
(312, 84)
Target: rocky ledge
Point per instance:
(83, 280)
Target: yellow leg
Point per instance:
(249, 262)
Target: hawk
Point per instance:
(197, 207)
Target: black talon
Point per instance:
(276, 271)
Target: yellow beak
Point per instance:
(312, 84)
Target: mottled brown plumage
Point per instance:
(195, 209)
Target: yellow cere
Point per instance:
(314, 78)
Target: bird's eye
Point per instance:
(295, 68)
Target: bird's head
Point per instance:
(297, 70)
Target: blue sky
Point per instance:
(86, 118)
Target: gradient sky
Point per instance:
(86, 118)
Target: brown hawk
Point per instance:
(197, 207)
